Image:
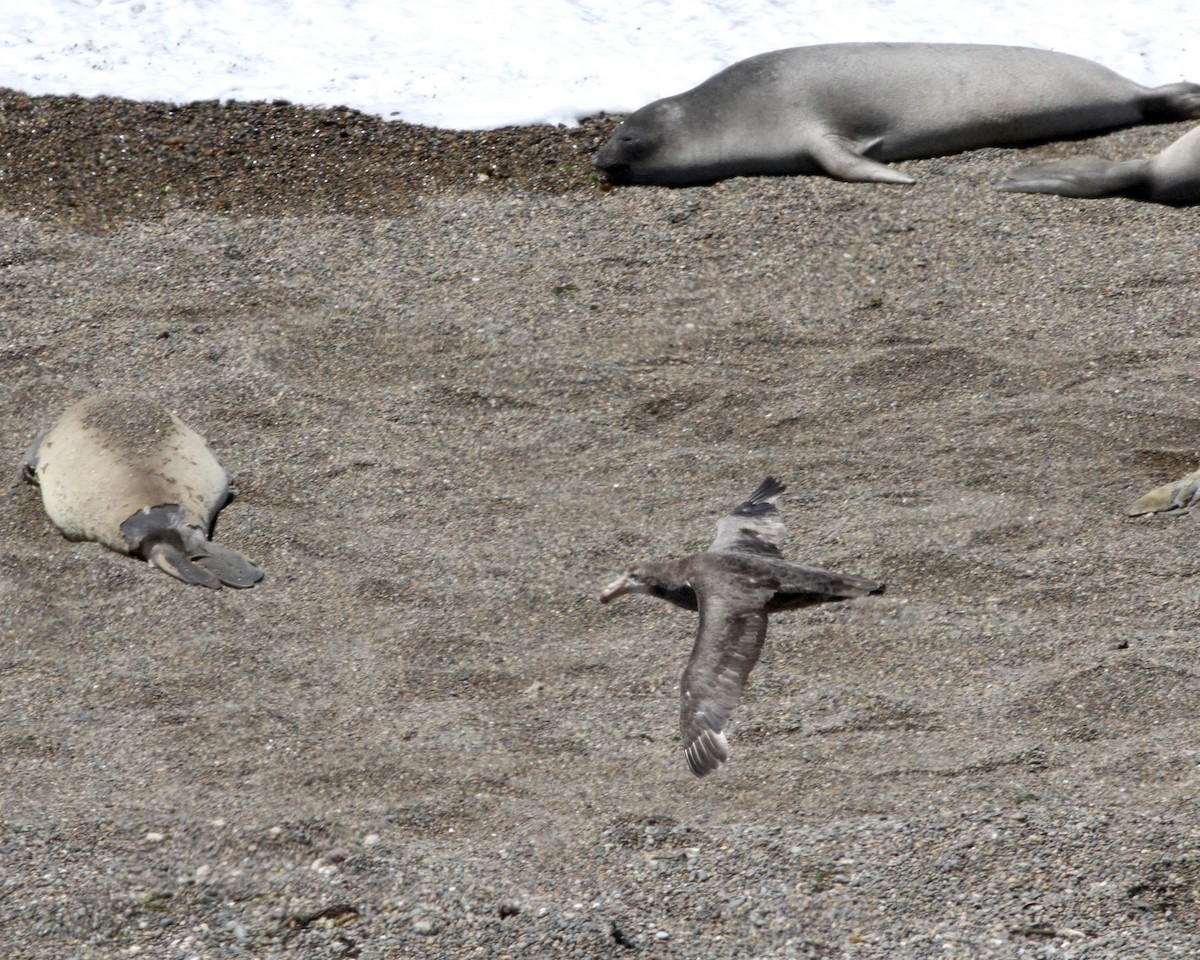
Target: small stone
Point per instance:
(423, 927)
(323, 867)
(154, 837)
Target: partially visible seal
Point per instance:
(1171, 177)
(1174, 497)
(128, 474)
(845, 109)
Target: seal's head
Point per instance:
(632, 153)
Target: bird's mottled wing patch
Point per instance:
(754, 526)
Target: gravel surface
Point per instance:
(461, 386)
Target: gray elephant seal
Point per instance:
(1171, 177)
(844, 109)
(128, 474)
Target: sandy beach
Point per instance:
(462, 385)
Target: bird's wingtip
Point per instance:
(707, 752)
(768, 490)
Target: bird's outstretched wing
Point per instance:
(733, 626)
(755, 526)
(798, 585)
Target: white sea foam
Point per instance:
(475, 64)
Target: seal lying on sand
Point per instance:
(1175, 497)
(735, 584)
(843, 109)
(1172, 176)
(128, 474)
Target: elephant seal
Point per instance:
(1175, 497)
(1171, 177)
(126, 473)
(843, 109)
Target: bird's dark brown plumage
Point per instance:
(734, 584)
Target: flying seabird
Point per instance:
(740, 579)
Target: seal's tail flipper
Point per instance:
(170, 559)
(229, 566)
(208, 565)
(1173, 101)
(162, 535)
(1078, 177)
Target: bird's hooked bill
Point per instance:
(615, 589)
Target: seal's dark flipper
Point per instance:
(1084, 177)
(1173, 101)
(839, 158)
(28, 471)
(172, 560)
(162, 536)
(229, 566)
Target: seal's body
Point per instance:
(844, 109)
(128, 474)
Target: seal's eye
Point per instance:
(634, 148)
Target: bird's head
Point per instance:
(637, 579)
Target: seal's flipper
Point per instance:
(28, 471)
(840, 158)
(1179, 495)
(162, 535)
(170, 559)
(1085, 177)
(1173, 101)
(229, 566)
(232, 490)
